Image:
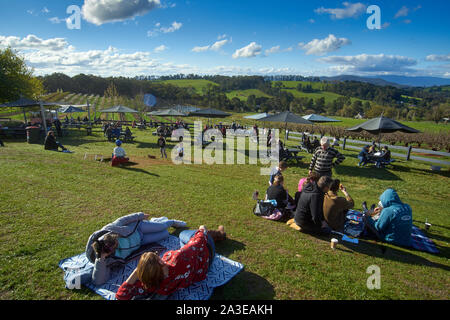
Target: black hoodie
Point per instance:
(310, 206)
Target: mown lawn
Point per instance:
(51, 202)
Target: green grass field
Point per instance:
(197, 84)
(51, 203)
(244, 94)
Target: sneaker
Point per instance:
(179, 224)
(364, 206)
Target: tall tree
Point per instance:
(16, 79)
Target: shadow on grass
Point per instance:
(436, 225)
(380, 250)
(245, 285)
(128, 166)
(367, 172)
(443, 173)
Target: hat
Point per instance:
(118, 142)
(324, 141)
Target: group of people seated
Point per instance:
(369, 154)
(318, 208)
(309, 145)
(155, 277)
(114, 130)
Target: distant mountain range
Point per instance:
(395, 81)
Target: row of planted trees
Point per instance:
(427, 140)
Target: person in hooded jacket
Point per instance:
(309, 213)
(394, 224)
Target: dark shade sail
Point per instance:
(168, 113)
(209, 113)
(382, 125)
(286, 117)
(119, 109)
(319, 118)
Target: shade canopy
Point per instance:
(27, 103)
(318, 118)
(286, 117)
(167, 113)
(120, 109)
(209, 113)
(70, 109)
(382, 125)
(257, 116)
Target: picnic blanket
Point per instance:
(221, 271)
(354, 227)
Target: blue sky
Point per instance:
(158, 37)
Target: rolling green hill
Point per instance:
(197, 84)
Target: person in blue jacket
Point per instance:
(363, 156)
(395, 219)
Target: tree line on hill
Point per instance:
(354, 97)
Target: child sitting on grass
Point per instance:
(119, 155)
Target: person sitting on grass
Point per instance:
(385, 157)
(277, 192)
(119, 155)
(312, 177)
(50, 142)
(118, 240)
(282, 166)
(335, 208)
(394, 223)
(159, 277)
(309, 213)
(363, 156)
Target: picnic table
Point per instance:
(291, 153)
(13, 132)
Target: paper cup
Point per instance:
(427, 226)
(333, 243)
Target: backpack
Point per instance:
(263, 208)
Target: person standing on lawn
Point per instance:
(322, 160)
(162, 146)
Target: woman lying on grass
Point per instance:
(118, 240)
(159, 277)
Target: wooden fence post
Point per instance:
(343, 144)
(409, 153)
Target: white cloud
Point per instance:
(216, 46)
(56, 20)
(158, 29)
(45, 10)
(371, 63)
(403, 12)
(277, 49)
(160, 49)
(435, 57)
(320, 47)
(32, 42)
(249, 51)
(311, 21)
(174, 27)
(221, 36)
(351, 10)
(103, 11)
(385, 25)
(219, 44)
(201, 49)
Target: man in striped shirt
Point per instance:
(322, 160)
